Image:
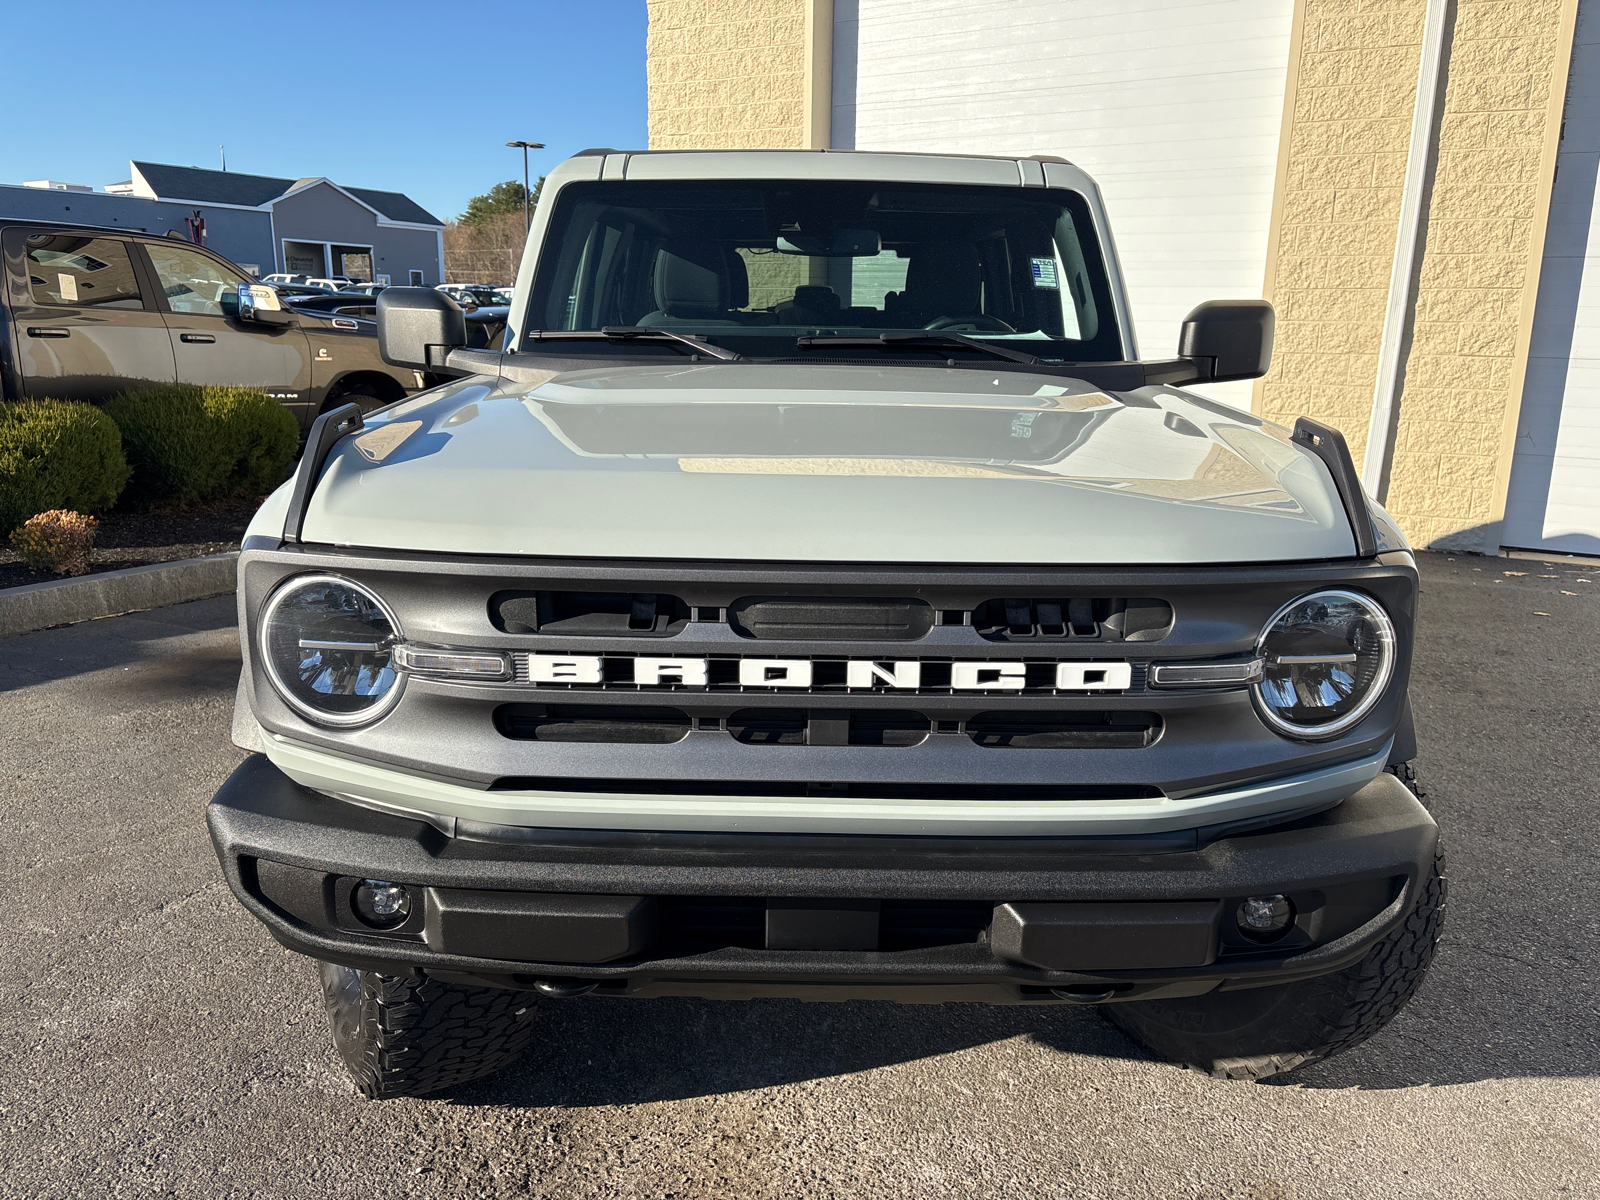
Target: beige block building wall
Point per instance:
(727, 74)
(1347, 129)
(1480, 275)
(1342, 164)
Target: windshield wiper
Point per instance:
(914, 340)
(626, 333)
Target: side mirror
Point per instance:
(256, 303)
(1228, 339)
(418, 327)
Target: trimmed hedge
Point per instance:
(263, 436)
(189, 443)
(57, 454)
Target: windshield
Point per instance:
(754, 265)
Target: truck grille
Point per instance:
(831, 618)
(1068, 729)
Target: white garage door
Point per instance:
(1173, 106)
(1554, 501)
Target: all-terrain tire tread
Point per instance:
(420, 1035)
(1333, 1013)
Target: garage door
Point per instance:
(1173, 106)
(1554, 501)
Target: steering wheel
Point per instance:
(977, 323)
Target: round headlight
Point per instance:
(1326, 659)
(327, 645)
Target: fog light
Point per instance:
(381, 904)
(1265, 916)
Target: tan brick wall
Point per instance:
(1463, 387)
(727, 74)
(1342, 168)
(1347, 129)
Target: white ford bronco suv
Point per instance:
(819, 597)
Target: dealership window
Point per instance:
(193, 283)
(79, 272)
(416, 279)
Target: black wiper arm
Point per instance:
(625, 333)
(915, 340)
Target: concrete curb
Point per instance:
(67, 601)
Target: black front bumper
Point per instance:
(292, 856)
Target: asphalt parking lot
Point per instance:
(157, 1043)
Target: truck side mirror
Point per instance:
(1228, 339)
(418, 327)
(256, 303)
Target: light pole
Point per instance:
(527, 196)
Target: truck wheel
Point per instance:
(1260, 1032)
(404, 1037)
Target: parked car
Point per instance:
(477, 294)
(334, 283)
(280, 277)
(89, 312)
(365, 289)
(904, 637)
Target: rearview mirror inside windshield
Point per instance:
(842, 243)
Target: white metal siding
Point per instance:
(1554, 501)
(1174, 106)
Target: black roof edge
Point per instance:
(598, 151)
(1043, 158)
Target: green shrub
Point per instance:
(190, 443)
(57, 454)
(174, 451)
(261, 433)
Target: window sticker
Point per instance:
(1044, 274)
(69, 286)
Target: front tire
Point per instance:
(405, 1037)
(1261, 1032)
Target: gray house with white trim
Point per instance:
(309, 226)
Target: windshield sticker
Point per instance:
(1022, 424)
(1044, 274)
(69, 287)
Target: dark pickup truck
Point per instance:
(88, 312)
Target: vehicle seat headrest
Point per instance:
(699, 278)
(944, 279)
(816, 298)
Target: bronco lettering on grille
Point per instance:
(799, 673)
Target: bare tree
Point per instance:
(485, 251)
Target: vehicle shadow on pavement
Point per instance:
(137, 641)
(607, 1052)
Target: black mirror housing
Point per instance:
(1228, 339)
(418, 327)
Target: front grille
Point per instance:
(829, 619)
(1069, 730)
(589, 614)
(1079, 618)
(620, 723)
(627, 724)
(828, 675)
(886, 620)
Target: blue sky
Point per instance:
(420, 97)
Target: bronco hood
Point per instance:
(827, 463)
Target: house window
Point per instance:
(416, 279)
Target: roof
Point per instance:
(211, 187)
(395, 206)
(254, 191)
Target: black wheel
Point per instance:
(363, 394)
(404, 1037)
(1261, 1032)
